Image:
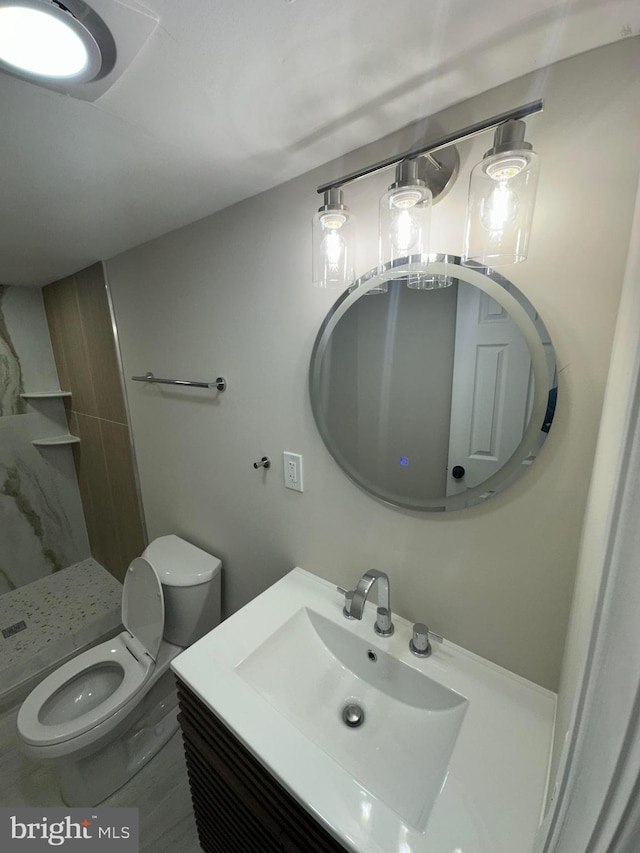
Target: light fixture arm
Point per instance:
(443, 142)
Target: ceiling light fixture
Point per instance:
(42, 40)
(499, 213)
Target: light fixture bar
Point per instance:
(443, 142)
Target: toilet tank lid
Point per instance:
(179, 563)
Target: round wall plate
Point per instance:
(439, 171)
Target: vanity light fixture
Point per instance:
(502, 193)
(43, 40)
(499, 215)
(405, 219)
(333, 251)
(430, 280)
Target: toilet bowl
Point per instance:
(102, 715)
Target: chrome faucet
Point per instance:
(383, 625)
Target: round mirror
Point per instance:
(433, 392)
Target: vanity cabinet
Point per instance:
(239, 807)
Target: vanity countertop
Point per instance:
(493, 792)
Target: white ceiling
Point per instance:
(231, 97)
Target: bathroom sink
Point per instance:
(447, 753)
(398, 745)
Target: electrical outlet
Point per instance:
(292, 466)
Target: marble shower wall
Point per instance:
(42, 528)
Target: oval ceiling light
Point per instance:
(44, 40)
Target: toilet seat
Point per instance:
(129, 659)
(117, 651)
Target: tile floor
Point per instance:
(160, 791)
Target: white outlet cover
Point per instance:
(292, 462)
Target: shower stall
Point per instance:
(70, 513)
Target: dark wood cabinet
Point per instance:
(239, 807)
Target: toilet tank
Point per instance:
(190, 581)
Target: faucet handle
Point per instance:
(419, 643)
(383, 624)
(348, 598)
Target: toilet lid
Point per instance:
(143, 605)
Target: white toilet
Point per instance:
(102, 715)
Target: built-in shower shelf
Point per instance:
(56, 440)
(44, 395)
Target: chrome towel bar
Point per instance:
(220, 383)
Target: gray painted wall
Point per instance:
(231, 295)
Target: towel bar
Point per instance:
(220, 383)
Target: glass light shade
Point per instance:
(333, 251)
(430, 280)
(404, 228)
(502, 194)
(40, 38)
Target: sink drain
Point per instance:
(353, 715)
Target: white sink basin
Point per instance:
(452, 754)
(311, 668)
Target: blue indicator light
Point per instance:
(404, 460)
